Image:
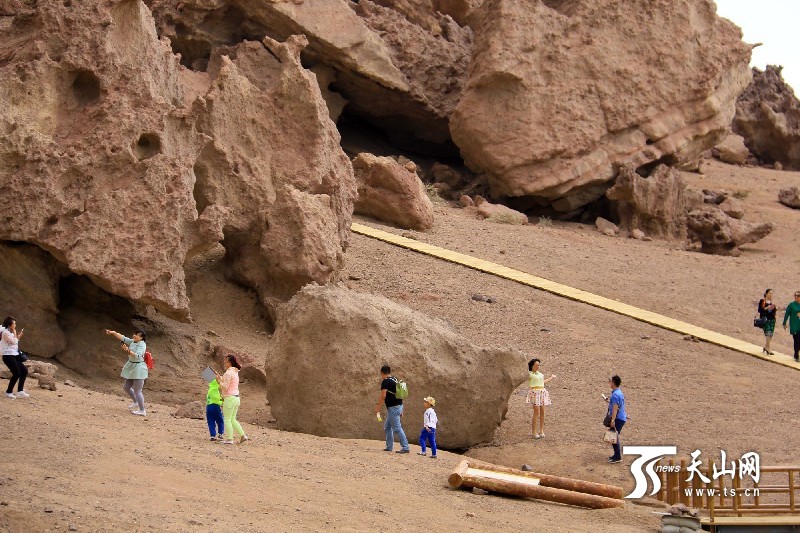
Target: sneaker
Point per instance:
(227, 442)
(541, 436)
(402, 451)
(11, 395)
(387, 449)
(133, 407)
(433, 457)
(614, 460)
(23, 394)
(140, 413)
(423, 454)
(537, 436)
(243, 439)
(213, 439)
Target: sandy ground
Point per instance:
(77, 458)
(81, 456)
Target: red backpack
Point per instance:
(148, 360)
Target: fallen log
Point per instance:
(556, 482)
(525, 485)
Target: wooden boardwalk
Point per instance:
(578, 295)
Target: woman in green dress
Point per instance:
(766, 310)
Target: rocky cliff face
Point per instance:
(122, 164)
(561, 93)
(395, 73)
(768, 117)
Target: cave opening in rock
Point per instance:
(85, 88)
(147, 146)
(78, 293)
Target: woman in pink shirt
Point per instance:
(229, 388)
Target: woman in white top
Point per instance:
(538, 396)
(9, 345)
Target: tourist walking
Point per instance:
(766, 311)
(394, 411)
(538, 396)
(9, 346)
(792, 314)
(229, 387)
(617, 416)
(135, 370)
(429, 423)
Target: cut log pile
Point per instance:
(493, 478)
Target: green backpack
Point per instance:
(401, 389)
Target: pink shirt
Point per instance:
(229, 385)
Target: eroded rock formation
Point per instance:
(396, 73)
(655, 205)
(768, 117)
(559, 93)
(392, 193)
(719, 233)
(326, 353)
(95, 158)
(274, 167)
(122, 164)
(732, 150)
(790, 197)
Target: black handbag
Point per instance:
(607, 420)
(759, 322)
(22, 356)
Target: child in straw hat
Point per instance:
(429, 427)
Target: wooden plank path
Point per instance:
(578, 295)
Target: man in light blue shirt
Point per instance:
(617, 414)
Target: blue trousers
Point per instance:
(392, 426)
(618, 446)
(430, 436)
(216, 424)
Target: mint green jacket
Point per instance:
(135, 368)
(792, 311)
(213, 396)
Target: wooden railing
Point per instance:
(730, 495)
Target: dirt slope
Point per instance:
(82, 456)
(78, 458)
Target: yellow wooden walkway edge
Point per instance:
(578, 295)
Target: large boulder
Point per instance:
(768, 117)
(29, 292)
(390, 192)
(722, 234)
(655, 205)
(400, 75)
(122, 164)
(327, 350)
(561, 93)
